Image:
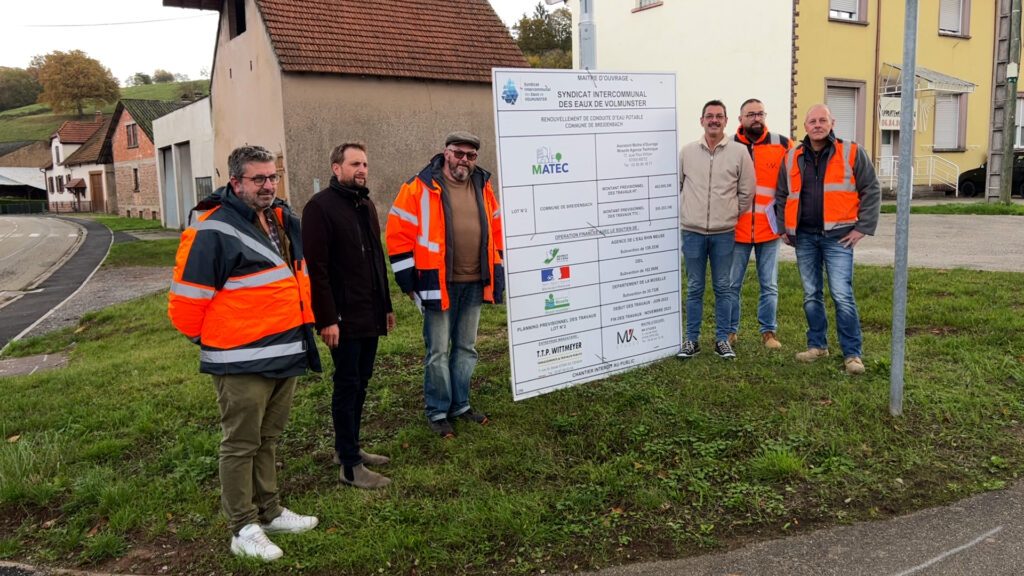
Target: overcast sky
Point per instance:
(130, 36)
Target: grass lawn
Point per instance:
(973, 208)
(119, 223)
(142, 253)
(111, 463)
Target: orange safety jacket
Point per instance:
(841, 200)
(419, 243)
(758, 224)
(235, 296)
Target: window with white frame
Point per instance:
(954, 17)
(1018, 140)
(843, 101)
(950, 128)
(852, 10)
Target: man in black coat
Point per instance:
(351, 300)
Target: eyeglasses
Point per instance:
(460, 154)
(260, 179)
(714, 116)
(756, 115)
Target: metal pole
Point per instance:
(906, 183)
(1010, 108)
(588, 36)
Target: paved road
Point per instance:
(994, 243)
(20, 314)
(30, 247)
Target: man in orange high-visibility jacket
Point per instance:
(444, 242)
(241, 292)
(756, 229)
(828, 197)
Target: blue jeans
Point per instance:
(767, 261)
(814, 252)
(447, 374)
(698, 249)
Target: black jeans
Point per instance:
(353, 367)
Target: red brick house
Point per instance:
(135, 169)
(301, 77)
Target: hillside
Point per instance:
(38, 122)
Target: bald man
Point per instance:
(829, 198)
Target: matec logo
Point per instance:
(548, 163)
(625, 337)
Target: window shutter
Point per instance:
(947, 120)
(949, 15)
(851, 6)
(1019, 141)
(843, 104)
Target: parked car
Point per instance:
(972, 182)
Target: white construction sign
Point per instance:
(590, 203)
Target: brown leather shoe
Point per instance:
(854, 365)
(362, 477)
(731, 339)
(368, 459)
(770, 341)
(811, 354)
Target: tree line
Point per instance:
(69, 82)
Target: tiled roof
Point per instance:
(145, 111)
(459, 40)
(28, 155)
(95, 150)
(76, 132)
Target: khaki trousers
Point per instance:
(253, 413)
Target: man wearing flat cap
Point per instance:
(444, 241)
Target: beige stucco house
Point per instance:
(301, 77)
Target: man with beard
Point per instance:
(717, 184)
(756, 229)
(240, 292)
(351, 301)
(444, 241)
(829, 197)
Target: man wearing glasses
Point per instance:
(444, 241)
(717, 178)
(756, 228)
(351, 301)
(241, 292)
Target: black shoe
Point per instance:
(442, 428)
(474, 416)
(723, 349)
(688, 349)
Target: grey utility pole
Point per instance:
(588, 33)
(906, 183)
(1010, 109)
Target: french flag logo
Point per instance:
(553, 274)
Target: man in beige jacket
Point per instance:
(718, 182)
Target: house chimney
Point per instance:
(99, 116)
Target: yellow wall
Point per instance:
(841, 50)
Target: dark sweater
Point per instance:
(341, 236)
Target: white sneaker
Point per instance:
(290, 523)
(253, 542)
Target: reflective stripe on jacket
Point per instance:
(235, 296)
(841, 200)
(768, 152)
(419, 243)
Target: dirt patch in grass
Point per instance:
(933, 330)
